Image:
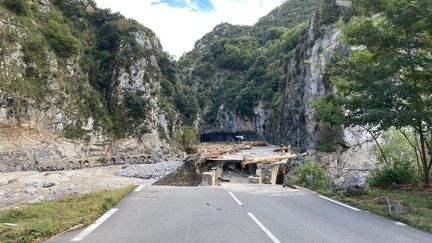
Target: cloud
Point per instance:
(180, 23)
(192, 5)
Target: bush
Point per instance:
(399, 174)
(74, 131)
(247, 100)
(20, 7)
(187, 104)
(186, 137)
(326, 148)
(58, 35)
(311, 176)
(401, 168)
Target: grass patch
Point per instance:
(374, 201)
(46, 219)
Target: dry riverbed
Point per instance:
(17, 188)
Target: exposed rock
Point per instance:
(306, 79)
(10, 224)
(31, 190)
(48, 184)
(33, 127)
(150, 171)
(400, 209)
(28, 185)
(355, 191)
(231, 123)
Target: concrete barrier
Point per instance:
(209, 178)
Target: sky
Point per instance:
(180, 23)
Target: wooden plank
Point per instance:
(269, 159)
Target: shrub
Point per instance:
(186, 137)
(136, 106)
(248, 100)
(20, 7)
(74, 131)
(401, 159)
(326, 148)
(311, 176)
(58, 35)
(187, 104)
(399, 174)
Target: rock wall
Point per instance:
(307, 77)
(228, 124)
(50, 107)
(30, 149)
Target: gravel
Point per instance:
(22, 187)
(150, 171)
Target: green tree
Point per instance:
(186, 137)
(187, 104)
(401, 165)
(386, 81)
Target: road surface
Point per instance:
(238, 213)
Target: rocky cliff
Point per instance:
(293, 120)
(289, 69)
(77, 81)
(236, 70)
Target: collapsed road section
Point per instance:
(251, 162)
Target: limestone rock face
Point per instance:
(231, 123)
(50, 106)
(307, 78)
(352, 165)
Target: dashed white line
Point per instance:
(93, 226)
(268, 233)
(400, 223)
(139, 188)
(334, 201)
(236, 199)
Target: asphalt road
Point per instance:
(239, 213)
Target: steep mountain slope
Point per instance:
(237, 70)
(292, 119)
(269, 97)
(86, 74)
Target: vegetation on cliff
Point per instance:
(386, 81)
(240, 66)
(75, 57)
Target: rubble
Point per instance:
(150, 171)
(22, 187)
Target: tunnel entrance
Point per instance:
(228, 137)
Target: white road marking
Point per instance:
(141, 198)
(400, 223)
(347, 206)
(268, 233)
(236, 199)
(93, 226)
(139, 188)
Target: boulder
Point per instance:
(355, 190)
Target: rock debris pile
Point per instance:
(150, 171)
